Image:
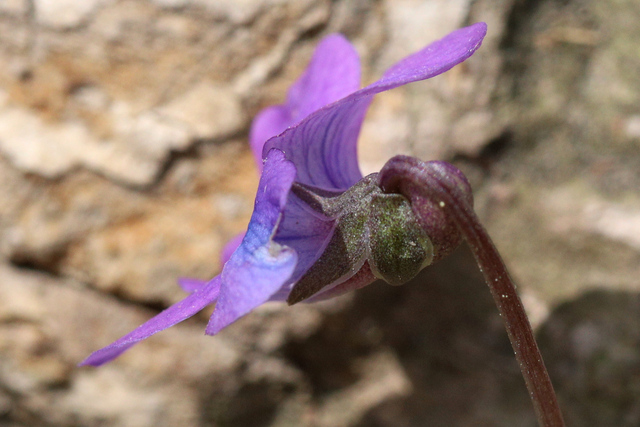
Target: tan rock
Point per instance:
(124, 164)
(211, 111)
(65, 14)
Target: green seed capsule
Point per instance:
(398, 246)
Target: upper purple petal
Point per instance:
(200, 298)
(324, 145)
(260, 266)
(333, 73)
(269, 122)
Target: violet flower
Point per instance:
(320, 229)
(314, 153)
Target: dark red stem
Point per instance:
(440, 185)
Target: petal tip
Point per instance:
(479, 30)
(212, 329)
(96, 359)
(480, 26)
(334, 39)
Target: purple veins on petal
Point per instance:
(324, 145)
(178, 312)
(260, 266)
(333, 73)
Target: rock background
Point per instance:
(124, 164)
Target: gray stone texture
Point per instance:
(124, 164)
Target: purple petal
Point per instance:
(323, 146)
(178, 312)
(260, 266)
(308, 233)
(333, 73)
(269, 122)
(434, 59)
(231, 247)
(190, 285)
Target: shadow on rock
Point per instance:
(447, 336)
(592, 349)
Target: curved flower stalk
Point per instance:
(440, 199)
(284, 252)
